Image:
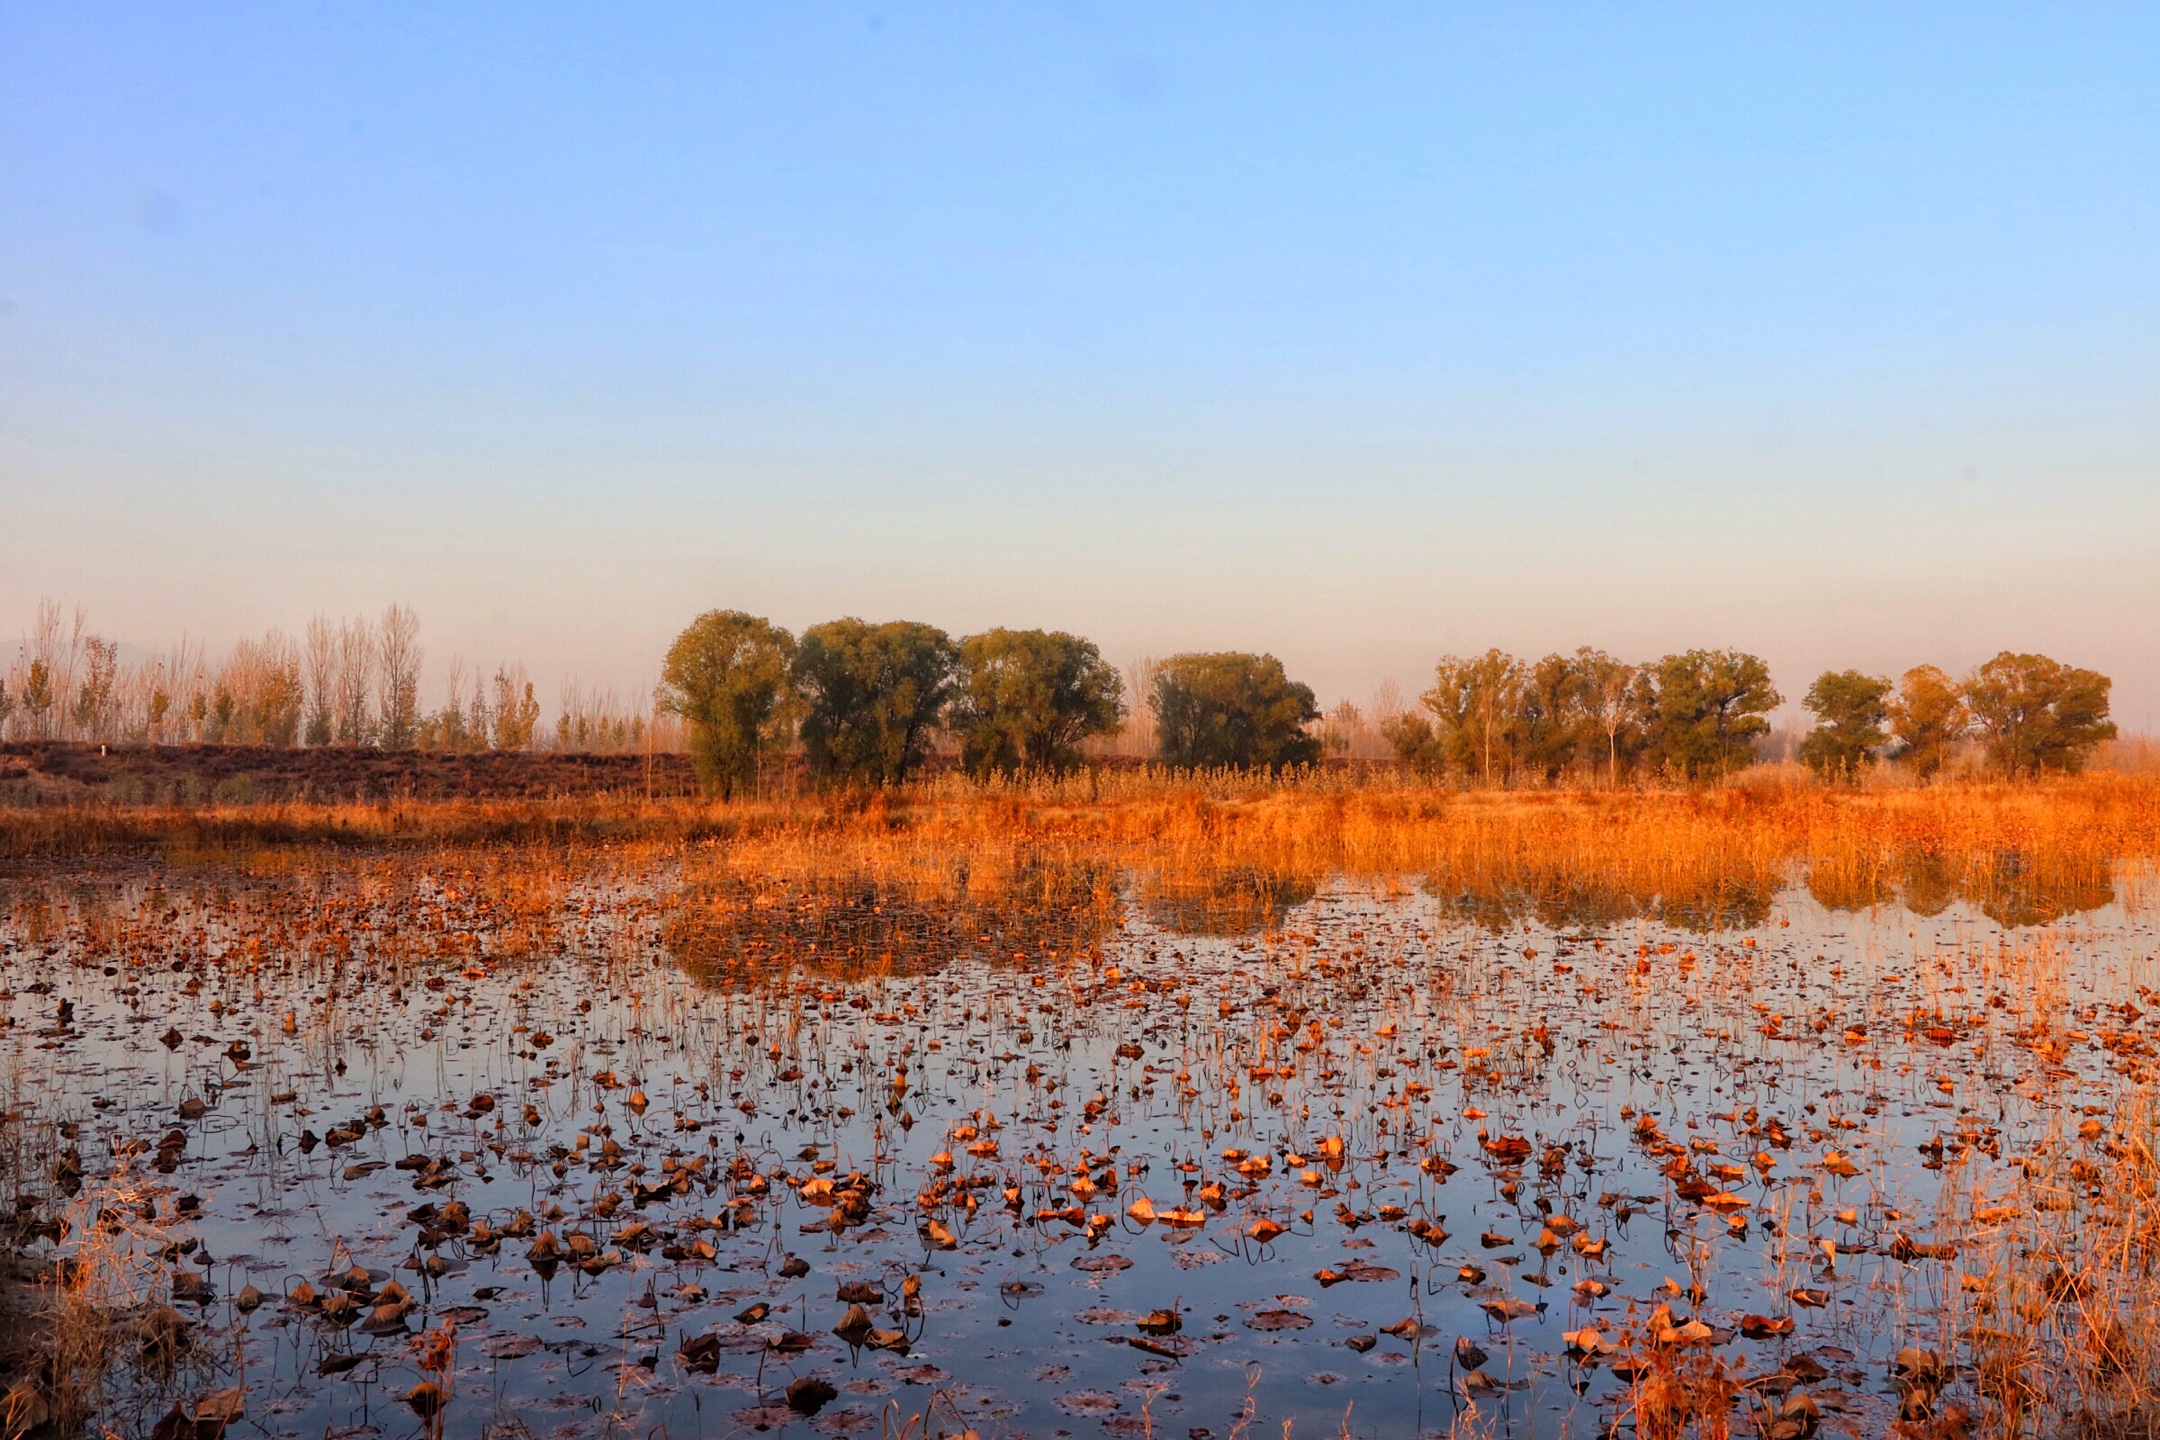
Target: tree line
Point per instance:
(865, 702)
(2028, 714)
(1497, 719)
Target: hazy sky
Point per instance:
(1352, 333)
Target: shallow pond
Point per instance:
(1384, 1160)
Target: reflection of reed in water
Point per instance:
(1240, 900)
(911, 884)
(740, 926)
(2012, 892)
(1560, 906)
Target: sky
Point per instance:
(1353, 334)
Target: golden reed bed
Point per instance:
(2070, 836)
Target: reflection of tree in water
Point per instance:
(2010, 893)
(1559, 906)
(1928, 886)
(2006, 888)
(1239, 901)
(738, 926)
(1738, 906)
(744, 925)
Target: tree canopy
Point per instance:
(1027, 698)
(2038, 714)
(866, 703)
(726, 676)
(1479, 706)
(1496, 718)
(1417, 744)
(1928, 716)
(871, 695)
(1850, 709)
(1706, 709)
(1230, 708)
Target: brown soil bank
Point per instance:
(56, 773)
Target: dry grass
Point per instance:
(1325, 820)
(103, 1299)
(2024, 853)
(2061, 1281)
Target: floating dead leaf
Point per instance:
(854, 1325)
(1101, 1264)
(1086, 1402)
(1357, 1270)
(1904, 1247)
(1103, 1315)
(1271, 1320)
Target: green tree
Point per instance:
(1555, 715)
(1928, 717)
(1027, 698)
(1417, 744)
(871, 695)
(1849, 709)
(2038, 714)
(1228, 708)
(1451, 745)
(1478, 706)
(726, 675)
(1705, 710)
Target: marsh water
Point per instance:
(614, 1154)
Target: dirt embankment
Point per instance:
(56, 773)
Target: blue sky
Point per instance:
(1827, 333)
